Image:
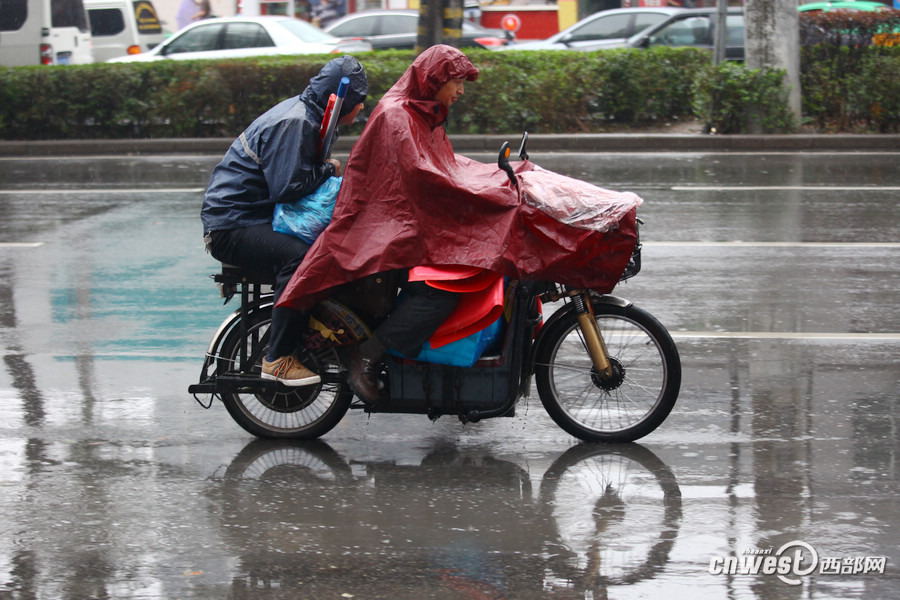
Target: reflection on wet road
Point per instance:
(776, 273)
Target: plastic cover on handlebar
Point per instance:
(574, 202)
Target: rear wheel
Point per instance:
(283, 412)
(624, 406)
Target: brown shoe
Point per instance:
(289, 371)
(362, 377)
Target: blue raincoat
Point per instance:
(275, 159)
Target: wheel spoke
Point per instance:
(303, 412)
(615, 406)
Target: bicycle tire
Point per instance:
(647, 375)
(300, 413)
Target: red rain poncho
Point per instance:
(407, 199)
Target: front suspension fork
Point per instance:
(593, 338)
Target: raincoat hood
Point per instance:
(417, 88)
(275, 160)
(326, 82)
(407, 200)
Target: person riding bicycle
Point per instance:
(405, 124)
(408, 200)
(421, 99)
(275, 160)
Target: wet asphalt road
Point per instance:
(777, 273)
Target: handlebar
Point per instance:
(503, 158)
(503, 163)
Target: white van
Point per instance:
(123, 27)
(44, 32)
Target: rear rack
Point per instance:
(248, 280)
(251, 284)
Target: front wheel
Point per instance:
(625, 406)
(300, 413)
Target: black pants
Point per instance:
(417, 316)
(256, 248)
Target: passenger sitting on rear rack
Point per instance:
(275, 160)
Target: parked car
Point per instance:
(44, 32)
(844, 5)
(600, 29)
(237, 37)
(398, 29)
(694, 28)
(123, 27)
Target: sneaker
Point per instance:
(289, 371)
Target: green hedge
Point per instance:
(735, 99)
(846, 90)
(850, 63)
(560, 92)
(542, 92)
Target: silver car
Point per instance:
(695, 28)
(238, 37)
(398, 29)
(600, 30)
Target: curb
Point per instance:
(631, 142)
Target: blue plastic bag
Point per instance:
(308, 217)
(467, 351)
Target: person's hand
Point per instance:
(338, 170)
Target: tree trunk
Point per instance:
(772, 40)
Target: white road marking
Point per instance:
(740, 244)
(785, 188)
(98, 192)
(784, 335)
